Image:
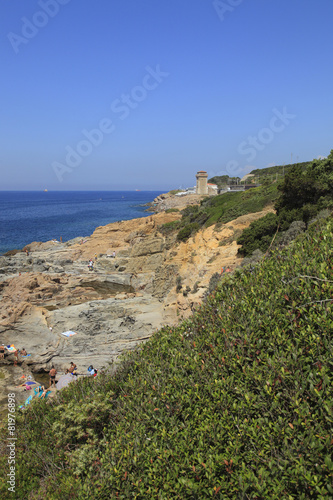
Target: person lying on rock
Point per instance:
(43, 391)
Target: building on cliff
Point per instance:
(212, 188)
(204, 187)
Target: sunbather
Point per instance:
(73, 368)
(43, 391)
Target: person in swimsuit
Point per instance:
(73, 368)
(42, 390)
(52, 374)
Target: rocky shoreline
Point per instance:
(49, 289)
(167, 201)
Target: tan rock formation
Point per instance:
(122, 301)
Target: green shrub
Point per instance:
(187, 231)
(258, 235)
(253, 259)
(169, 227)
(305, 190)
(296, 228)
(235, 402)
(213, 282)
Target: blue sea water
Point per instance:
(27, 216)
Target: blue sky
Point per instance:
(140, 94)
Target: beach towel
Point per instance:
(27, 401)
(39, 391)
(11, 348)
(26, 356)
(69, 333)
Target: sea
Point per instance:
(27, 216)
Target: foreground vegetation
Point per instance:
(234, 403)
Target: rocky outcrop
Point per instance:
(147, 246)
(170, 200)
(119, 304)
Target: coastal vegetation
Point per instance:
(306, 191)
(297, 192)
(224, 208)
(260, 175)
(277, 170)
(235, 402)
(222, 181)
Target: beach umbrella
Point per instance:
(30, 382)
(65, 380)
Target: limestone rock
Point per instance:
(147, 246)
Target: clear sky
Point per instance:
(141, 94)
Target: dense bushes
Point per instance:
(186, 232)
(171, 210)
(306, 190)
(169, 227)
(310, 187)
(258, 235)
(235, 402)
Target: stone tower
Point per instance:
(202, 187)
